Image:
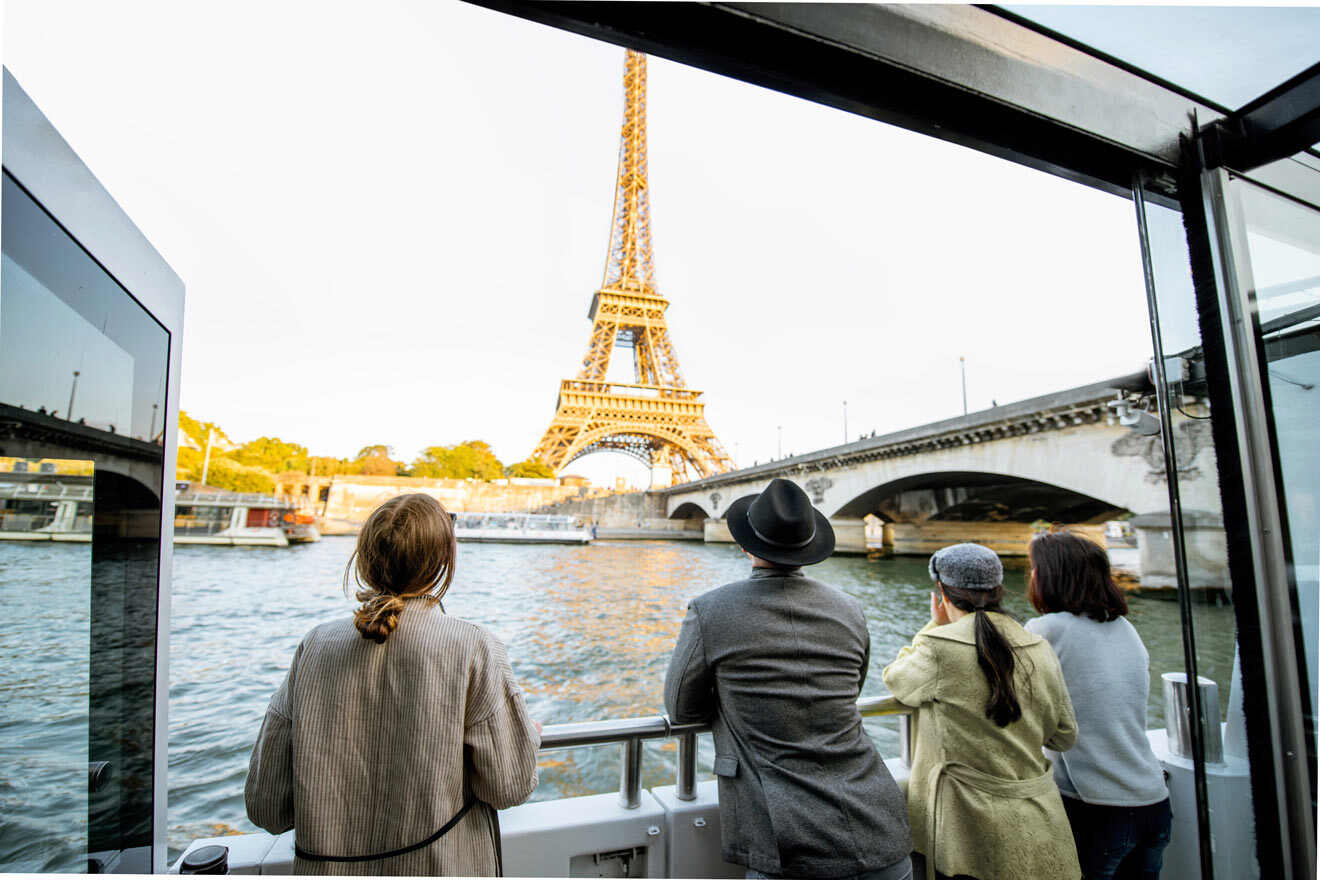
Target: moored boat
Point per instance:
(236, 518)
(304, 529)
(45, 507)
(521, 528)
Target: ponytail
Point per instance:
(378, 616)
(993, 653)
(405, 550)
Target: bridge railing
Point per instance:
(631, 732)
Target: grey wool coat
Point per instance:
(371, 747)
(776, 662)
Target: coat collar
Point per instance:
(964, 630)
(760, 573)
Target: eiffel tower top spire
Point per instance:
(630, 264)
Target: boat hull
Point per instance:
(522, 539)
(63, 537)
(268, 537)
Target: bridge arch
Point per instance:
(689, 510)
(977, 496)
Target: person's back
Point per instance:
(988, 696)
(969, 735)
(791, 654)
(1107, 670)
(776, 662)
(1112, 784)
(395, 734)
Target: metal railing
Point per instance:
(45, 491)
(630, 732)
(247, 499)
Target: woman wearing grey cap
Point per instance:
(989, 695)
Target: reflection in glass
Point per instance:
(45, 536)
(1283, 238)
(110, 363)
(82, 394)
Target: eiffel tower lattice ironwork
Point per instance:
(657, 418)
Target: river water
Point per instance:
(589, 630)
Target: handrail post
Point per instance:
(687, 767)
(630, 774)
(907, 740)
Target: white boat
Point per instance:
(45, 507)
(521, 528)
(48, 506)
(236, 518)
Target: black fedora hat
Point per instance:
(780, 525)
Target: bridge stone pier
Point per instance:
(1066, 458)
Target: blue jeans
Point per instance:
(1120, 843)
(900, 870)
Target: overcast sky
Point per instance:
(391, 216)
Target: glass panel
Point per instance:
(1254, 48)
(109, 369)
(1283, 238)
(80, 557)
(46, 546)
(1208, 616)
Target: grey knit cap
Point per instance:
(968, 566)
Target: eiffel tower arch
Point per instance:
(656, 419)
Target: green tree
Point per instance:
(272, 454)
(472, 459)
(376, 461)
(531, 467)
(223, 472)
(328, 466)
(197, 430)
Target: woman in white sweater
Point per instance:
(1112, 784)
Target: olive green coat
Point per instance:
(982, 798)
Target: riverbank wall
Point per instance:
(629, 516)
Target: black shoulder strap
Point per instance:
(444, 829)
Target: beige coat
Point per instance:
(367, 748)
(982, 798)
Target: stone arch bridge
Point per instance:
(1081, 456)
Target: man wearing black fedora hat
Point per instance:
(775, 663)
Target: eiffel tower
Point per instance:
(657, 419)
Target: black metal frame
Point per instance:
(727, 40)
(1190, 657)
(1280, 123)
(1265, 629)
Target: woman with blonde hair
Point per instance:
(397, 732)
(989, 695)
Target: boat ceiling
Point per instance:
(1096, 93)
(1226, 55)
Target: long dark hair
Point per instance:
(1070, 573)
(993, 652)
